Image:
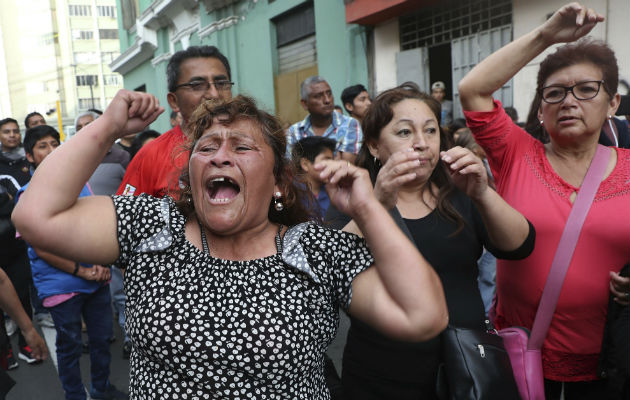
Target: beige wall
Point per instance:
(527, 14)
(38, 73)
(27, 54)
(386, 45)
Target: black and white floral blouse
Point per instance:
(204, 327)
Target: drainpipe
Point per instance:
(100, 55)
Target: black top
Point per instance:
(14, 173)
(369, 354)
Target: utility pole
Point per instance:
(91, 82)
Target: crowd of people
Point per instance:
(227, 245)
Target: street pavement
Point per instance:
(40, 382)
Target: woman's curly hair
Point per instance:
(295, 196)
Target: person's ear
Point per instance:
(172, 101)
(29, 158)
(373, 148)
(305, 164)
(349, 107)
(613, 104)
(303, 102)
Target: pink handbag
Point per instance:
(524, 349)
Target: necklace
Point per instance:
(204, 241)
(206, 249)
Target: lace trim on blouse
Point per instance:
(291, 249)
(616, 184)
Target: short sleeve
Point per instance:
(502, 140)
(523, 251)
(334, 258)
(141, 222)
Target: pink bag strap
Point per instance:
(566, 247)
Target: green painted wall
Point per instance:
(250, 47)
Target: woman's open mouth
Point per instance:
(222, 190)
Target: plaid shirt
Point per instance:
(346, 131)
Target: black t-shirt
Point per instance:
(454, 257)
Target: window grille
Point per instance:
(79, 10)
(435, 25)
(84, 104)
(106, 11)
(87, 80)
(83, 35)
(108, 33)
(112, 80)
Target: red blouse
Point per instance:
(527, 181)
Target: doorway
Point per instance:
(440, 67)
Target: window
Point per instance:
(129, 10)
(295, 24)
(109, 56)
(87, 80)
(108, 33)
(80, 10)
(84, 104)
(82, 35)
(106, 11)
(432, 26)
(86, 58)
(112, 80)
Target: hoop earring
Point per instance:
(277, 203)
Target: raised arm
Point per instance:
(568, 24)
(506, 227)
(401, 295)
(50, 217)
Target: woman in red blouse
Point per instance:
(578, 86)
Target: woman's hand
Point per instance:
(130, 112)
(467, 171)
(97, 273)
(570, 23)
(36, 343)
(395, 173)
(620, 288)
(348, 186)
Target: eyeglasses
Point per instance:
(582, 91)
(203, 85)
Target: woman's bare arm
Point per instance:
(50, 217)
(402, 296)
(568, 24)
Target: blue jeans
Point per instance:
(118, 297)
(96, 311)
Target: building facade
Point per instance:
(272, 45)
(428, 40)
(57, 52)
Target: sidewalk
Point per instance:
(40, 382)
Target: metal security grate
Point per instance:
(453, 19)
